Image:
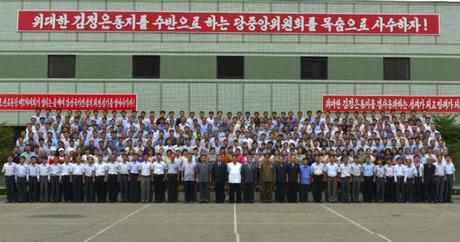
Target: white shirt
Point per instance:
(100, 168)
(450, 168)
(77, 169)
(112, 168)
(123, 168)
(44, 170)
(8, 169)
(159, 167)
(398, 170)
(345, 170)
(440, 169)
(146, 168)
(331, 169)
(356, 169)
(379, 171)
(65, 169)
(89, 170)
(317, 168)
(409, 173)
(234, 172)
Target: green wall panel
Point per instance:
(23, 66)
(89, 66)
(435, 69)
(188, 67)
(355, 68)
(267, 67)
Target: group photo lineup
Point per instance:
(229, 120)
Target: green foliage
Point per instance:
(449, 127)
(6, 141)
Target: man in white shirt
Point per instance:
(8, 171)
(112, 180)
(145, 177)
(317, 170)
(450, 178)
(159, 178)
(76, 176)
(439, 176)
(234, 180)
(123, 174)
(101, 173)
(399, 170)
(356, 176)
(345, 179)
(331, 169)
(43, 180)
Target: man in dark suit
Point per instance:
(219, 176)
(428, 179)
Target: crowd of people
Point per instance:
(97, 156)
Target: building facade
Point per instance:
(188, 74)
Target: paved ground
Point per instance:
(229, 222)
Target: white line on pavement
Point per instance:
(235, 224)
(355, 223)
(115, 223)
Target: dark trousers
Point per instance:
(33, 189)
(449, 187)
(66, 188)
(124, 187)
(318, 188)
(368, 184)
(234, 191)
(21, 185)
(43, 190)
(100, 189)
(204, 193)
(400, 194)
(159, 188)
(439, 195)
(429, 190)
(390, 189)
(55, 189)
(189, 190)
(172, 187)
(112, 185)
(356, 188)
(89, 189)
(418, 196)
(267, 192)
(220, 191)
(10, 188)
(345, 189)
(303, 192)
(380, 189)
(409, 190)
(248, 193)
(292, 192)
(77, 188)
(280, 192)
(133, 193)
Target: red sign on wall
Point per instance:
(219, 22)
(440, 104)
(25, 102)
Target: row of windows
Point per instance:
(228, 67)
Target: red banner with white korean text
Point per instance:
(27, 102)
(435, 104)
(221, 22)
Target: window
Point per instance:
(313, 68)
(146, 67)
(61, 66)
(230, 67)
(396, 69)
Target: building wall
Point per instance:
(188, 61)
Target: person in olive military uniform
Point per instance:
(267, 178)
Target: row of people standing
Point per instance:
(135, 181)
